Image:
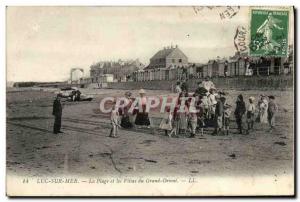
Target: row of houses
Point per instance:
(237, 65)
(170, 63)
(114, 71)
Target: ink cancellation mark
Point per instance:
(240, 39)
(224, 12)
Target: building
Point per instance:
(168, 57)
(120, 70)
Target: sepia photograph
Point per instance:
(150, 101)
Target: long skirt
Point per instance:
(218, 121)
(142, 119)
(125, 122)
(183, 122)
(57, 124)
(263, 116)
(165, 124)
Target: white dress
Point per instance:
(263, 111)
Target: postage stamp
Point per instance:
(269, 32)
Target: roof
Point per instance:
(163, 53)
(166, 52)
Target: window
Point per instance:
(180, 60)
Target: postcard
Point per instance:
(150, 101)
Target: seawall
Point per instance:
(238, 83)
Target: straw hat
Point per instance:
(142, 91)
(251, 98)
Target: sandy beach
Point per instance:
(84, 149)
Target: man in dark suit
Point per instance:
(57, 113)
(219, 114)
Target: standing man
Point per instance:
(57, 113)
(219, 111)
(239, 112)
(272, 110)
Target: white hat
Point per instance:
(142, 91)
(251, 98)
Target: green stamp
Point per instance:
(269, 33)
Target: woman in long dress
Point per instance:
(263, 109)
(182, 113)
(126, 120)
(142, 117)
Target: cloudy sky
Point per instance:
(44, 43)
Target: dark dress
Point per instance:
(125, 120)
(142, 117)
(57, 112)
(239, 113)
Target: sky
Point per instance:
(44, 43)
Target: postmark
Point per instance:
(224, 12)
(240, 39)
(229, 12)
(269, 32)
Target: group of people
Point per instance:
(75, 95)
(123, 117)
(211, 109)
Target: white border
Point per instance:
(5, 3)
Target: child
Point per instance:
(272, 110)
(193, 118)
(205, 105)
(201, 116)
(212, 102)
(114, 118)
(227, 113)
(167, 124)
(250, 114)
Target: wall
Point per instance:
(241, 83)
